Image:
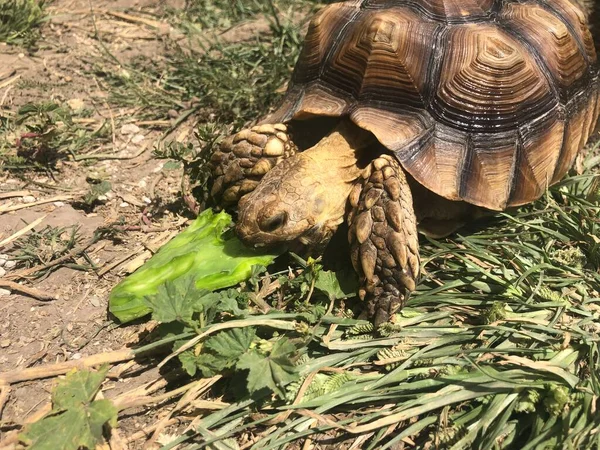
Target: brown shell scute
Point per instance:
(489, 81)
(486, 101)
(573, 16)
(559, 50)
(442, 10)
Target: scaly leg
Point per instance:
(383, 238)
(244, 158)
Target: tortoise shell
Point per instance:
(486, 101)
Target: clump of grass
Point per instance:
(20, 20)
(39, 135)
(239, 81)
(43, 247)
(222, 14)
(221, 85)
(226, 83)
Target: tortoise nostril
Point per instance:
(274, 222)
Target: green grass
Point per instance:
(20, 20)
(222, 14)
(497, 348)
(226, 83)
(220, 85)
(42, 247)
(39, 135)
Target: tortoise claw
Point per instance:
(381, 309)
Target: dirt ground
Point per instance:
(62, 317)
(75, 324)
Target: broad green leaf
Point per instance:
(77, 388)
(177, 300)
(172, 165)
(211, 365)
(76, 420)
(219, 352)
(188, 361)
(273, 371)
(228, 303)
(337, 285)
(232, 343)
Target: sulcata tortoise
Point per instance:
(413, 112)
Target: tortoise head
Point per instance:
(294, 203)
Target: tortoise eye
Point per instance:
(273, 223)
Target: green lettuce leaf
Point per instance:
(214, 259)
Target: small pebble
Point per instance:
(2, 272)
(102, 198)
(59, 204)
(10, 264)
(2, 261)
(130, 128)
(124, 205)
(5, 343)
(76, 356)
(76, 104)
(28, 199)
(146, 200)
(138, 138)
(4, 292)
(95, 302)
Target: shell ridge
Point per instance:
(574, 33)
(409, 150)
(513, 173)
(334, 46)
(451, 15)
(491, 82)
(465, 166)
(435, 65)
(545, 69)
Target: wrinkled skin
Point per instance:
(303, 199)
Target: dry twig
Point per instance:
(60, 198)
(53, 370)
(30, 292)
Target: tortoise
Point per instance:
(413, 113)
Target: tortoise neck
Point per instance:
(343, 153)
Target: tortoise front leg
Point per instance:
(383, 238)
(244, 158)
